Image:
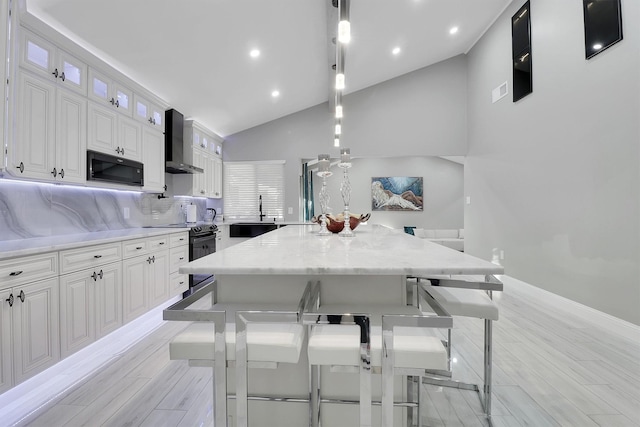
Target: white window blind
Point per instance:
(245, 182)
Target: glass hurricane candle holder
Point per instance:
(324, 173)
(345, 190)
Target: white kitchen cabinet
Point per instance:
(216, 191)
(4, 34)
(50, 133)
(153, 159)
(28, 317)
(90, 306)
(148, 113)
(36, 342)
(89, 257)
(109, 93)
(111, 133)
(178, 256)
(34, 150)
(6, 354)
(52, 63)
(158, 278)
(135, 295)
(145, 278)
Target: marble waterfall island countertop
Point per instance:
(375, 250)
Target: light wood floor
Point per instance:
(550, 369)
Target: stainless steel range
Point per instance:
(202, 242)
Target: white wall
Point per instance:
(443, 182)
(420, 113)
(554, 178)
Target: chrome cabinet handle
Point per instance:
(94, 276)
(55, 73)
(21, 296)
(101, 274)
(118, 151)
(21, 167)
(151, 120)
(149, 260)
(161, 243)
(61, 173)
(153, 258)
(181, 239)
(16, 273)
(117, 104)
(10, 300)
(112, 101)
(182, 283)
(62, 76)
(97, 256)
(181, 258)
(138, 247)
(122, 150)
(54, 172)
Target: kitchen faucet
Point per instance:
(261, 214)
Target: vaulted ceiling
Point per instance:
(195, 54)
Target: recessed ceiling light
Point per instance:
(275, 93)
(254, 53)
(396, 50)
(453, 30)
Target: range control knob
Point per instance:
(197, 229)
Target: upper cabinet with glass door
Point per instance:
(148, 113)
(109, 92)
(42, 57)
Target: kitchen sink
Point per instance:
(251, 229)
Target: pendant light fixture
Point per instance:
(342, 39)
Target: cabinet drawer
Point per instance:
(178, 283)
(88, 257)
(179, 239)
(131, 248)
(177, 257)
(28, 269)
(158, 243)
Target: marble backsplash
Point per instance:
(36, 210)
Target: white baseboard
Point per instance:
(615, 325)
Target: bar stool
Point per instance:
(469, 297)
(379, 338)
(266, 335)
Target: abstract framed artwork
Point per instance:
(396, 193)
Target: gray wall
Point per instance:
(420, 113)
(443, 182)
(554, 178)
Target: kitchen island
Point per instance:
(370, 268)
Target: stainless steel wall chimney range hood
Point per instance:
(174, 144)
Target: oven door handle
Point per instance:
(200, 239)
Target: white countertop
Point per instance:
(33, 246)
(375, 250)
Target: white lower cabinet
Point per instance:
(159, 278)
(6, 356)
(90, 306)
(145, 283)
(33, 326)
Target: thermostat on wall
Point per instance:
(500, 92)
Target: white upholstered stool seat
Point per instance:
(337, 337)
(266, 342)
(469, 297)
(258, 335)
(465, 302)
(340, 345)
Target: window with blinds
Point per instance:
(245, 182)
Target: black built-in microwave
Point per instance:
(107, 168)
